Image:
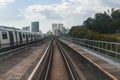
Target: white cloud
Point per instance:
(5, 2)
(69, 12)
(8, 13)
(115, 1)
(45, 11)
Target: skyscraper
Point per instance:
(60, 27)
(57, 29)
(54, 27)
(35, 26)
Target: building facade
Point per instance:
(60, 27)
(26, 28)
(57, 29)
(49, 33)
(54, 27)
(35, 26)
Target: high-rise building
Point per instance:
(60, 27)
(57, 29)
(35, 26)
(54, 27)
(57, 32)
(26, 28)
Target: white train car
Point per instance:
(39, 36)
(7, 37)
(23, 37)
(10, 37)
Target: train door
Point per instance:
(16, 37)
(11, 38)
(27, 37)
(0, 39)
(31, 37)
(20, 37)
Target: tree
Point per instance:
(115, 14)
(89, 23)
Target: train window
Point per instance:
(26, 35)
(23, 35)
(4, 35)
(29, 35)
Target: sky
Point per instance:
(20, 13)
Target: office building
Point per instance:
(57, 32)
(35, 26)
(54, 27)
(57, 29)
(60, 27)
(26, 28)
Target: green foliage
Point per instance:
(81, 32)
(104, 22)
(102, 37)
(77, 31)
(96, 28)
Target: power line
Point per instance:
(16, 9)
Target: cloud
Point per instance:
(50, 14)
(69, 12)
(111, 3)
(10, 15)
(8, 12)
(5, 2)
(46, 11)
(68, 9)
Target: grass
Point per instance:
(117, 35)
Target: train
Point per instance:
(11, 37)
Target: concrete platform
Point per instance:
(20, 65)
(105, 64)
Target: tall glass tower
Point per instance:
(35, 26)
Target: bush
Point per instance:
(101, 37)
(82, 32)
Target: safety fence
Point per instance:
(109, 49)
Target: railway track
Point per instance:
(55, 65)
(61, 68)
(89, 69)
(61, 62)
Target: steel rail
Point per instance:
(49, 63)
(95, 65)
(39, 63)
(67, 63)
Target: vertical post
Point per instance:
(111, 47)
(98, 46)
(102, 46)
(116, 50)
(106, 48)
(89, 44)
(93, 44)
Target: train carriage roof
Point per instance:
(4, 28)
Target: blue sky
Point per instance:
(20, 13)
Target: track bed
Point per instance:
(58, 69)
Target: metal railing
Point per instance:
(109, 49)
